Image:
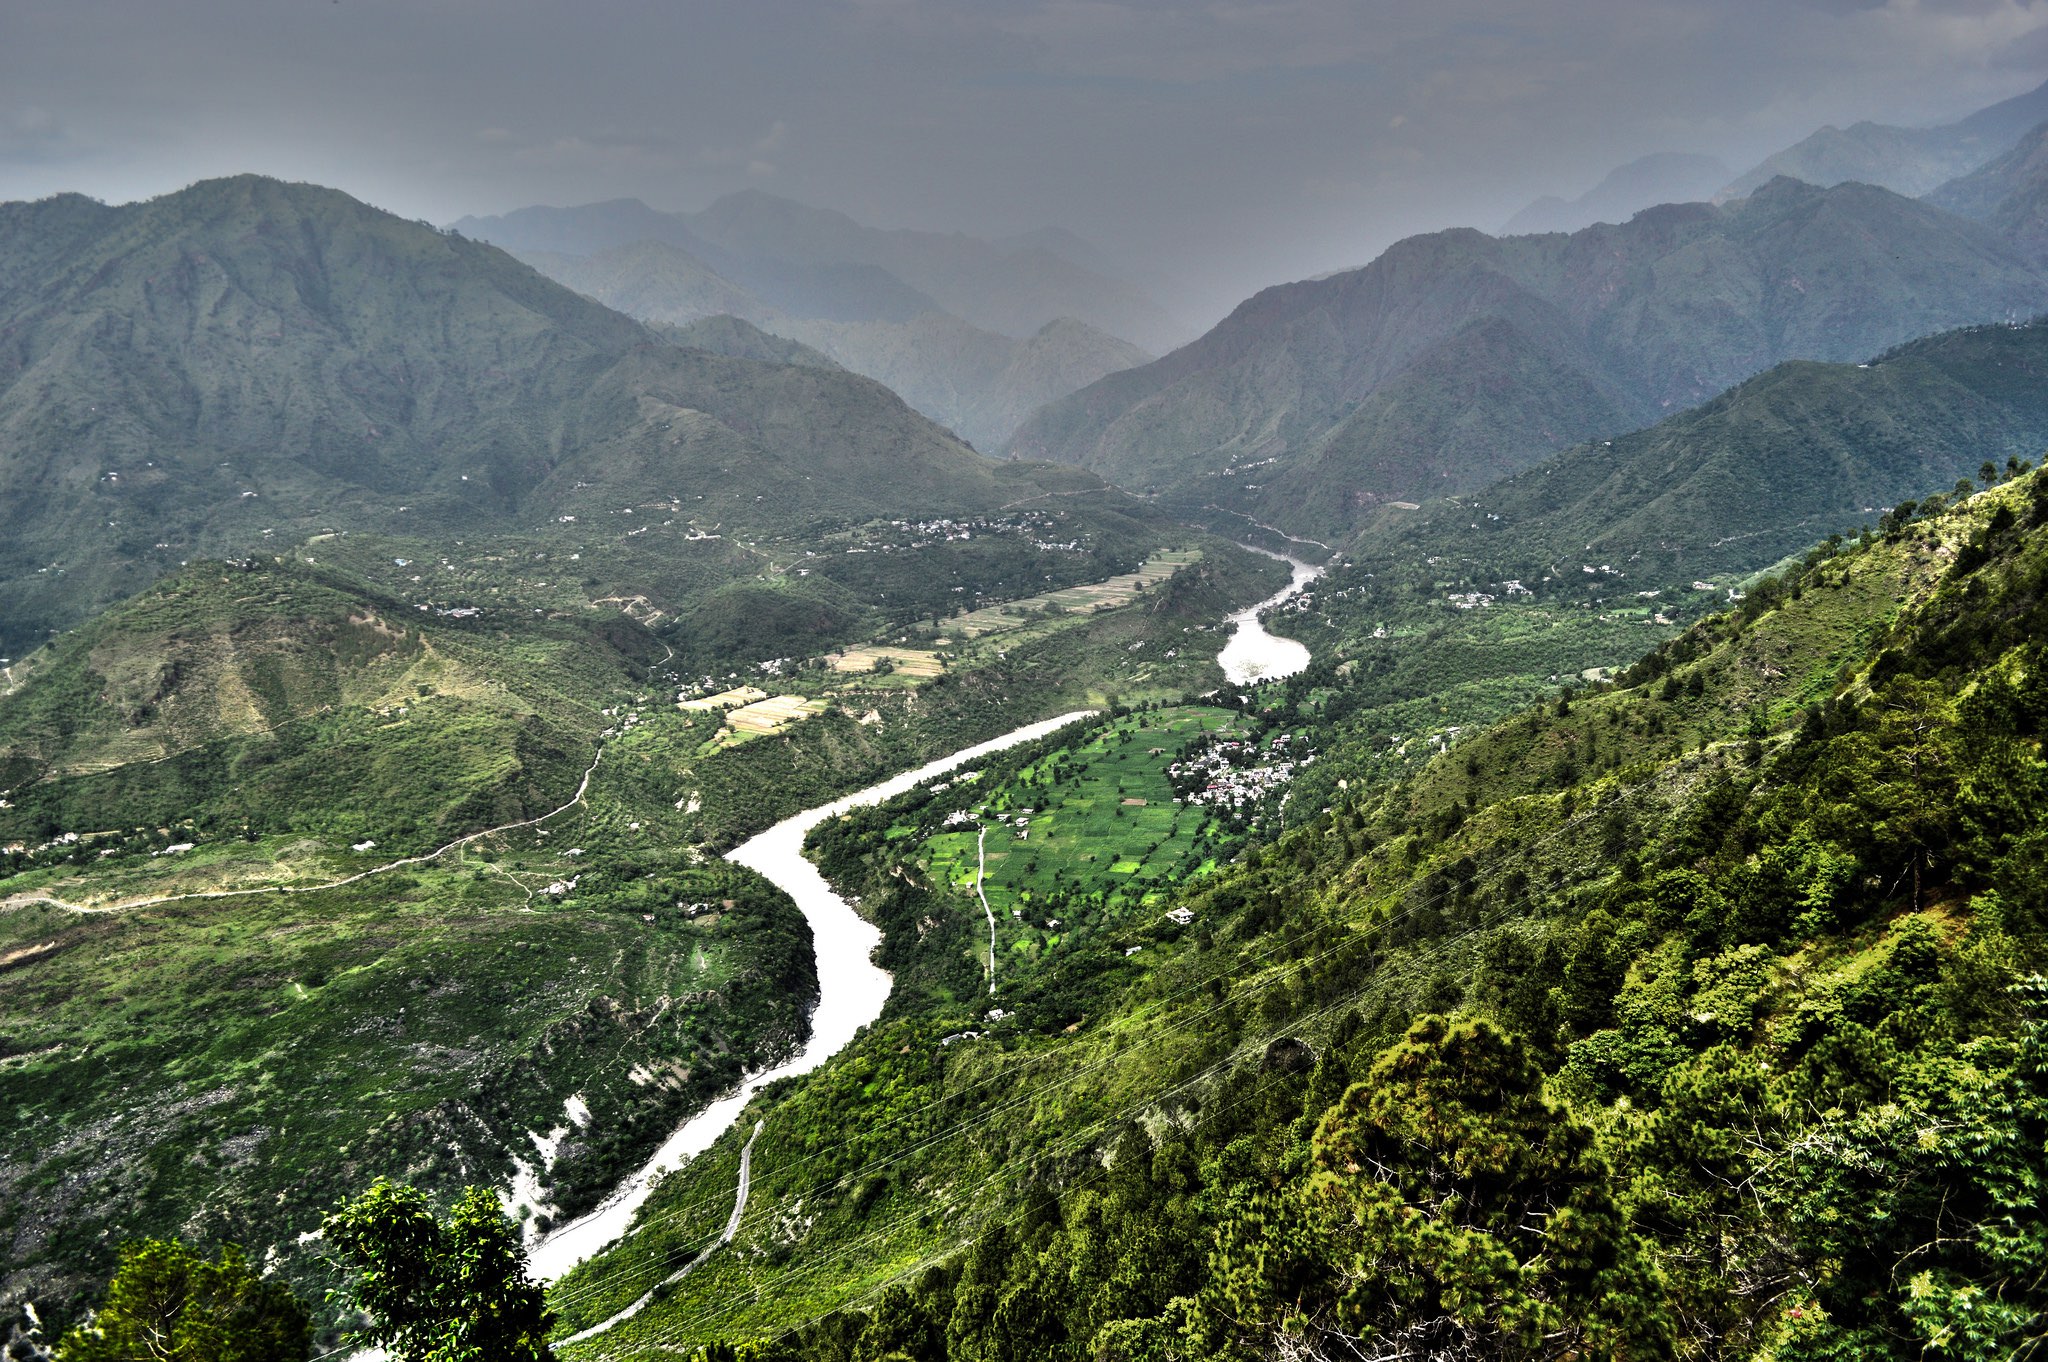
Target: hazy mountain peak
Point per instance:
(1660, 177)
(1456, 356)
(1910, 161)
(1978, 193)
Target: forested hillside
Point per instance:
(1760, 471)
(1694, 1014)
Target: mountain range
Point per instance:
(1766, 469)
(248, 361)
(1456, 358)
(784, 252)
(1907, 160)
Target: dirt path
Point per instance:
(981, 874)
(732, 1227)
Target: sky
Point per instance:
(1211, 147)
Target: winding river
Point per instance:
(1255, 655)
(851, 991)
(851, 987)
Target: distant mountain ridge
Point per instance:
(1906, 160)
(976, 382)
(1774, 464)
(184, 376)
(2008, 194)
(1456, 357)
(1662, 177)
(775, 247)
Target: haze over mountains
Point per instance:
(1909, 160)
(978, 383)
(975, 334)
(1627, 835)
(1661, 177)
(1456, 357)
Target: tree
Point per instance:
(1452, 1211)
(454, 1291)
(167, 1304)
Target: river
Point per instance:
(851, 991)
(1255, 655)
(851, 987)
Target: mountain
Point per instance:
(246, 360)
(728, 335)
(978, 383)
(787, 253)
(1906, 160)
(1661, 177)
(1765, 469)
(1456, 357)
(2009, 194)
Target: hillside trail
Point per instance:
(980, 879)
(732, 1227)
(32, 898)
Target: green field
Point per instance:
(1104, 837)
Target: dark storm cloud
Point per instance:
(1233, 143)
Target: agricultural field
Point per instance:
(1103, 595)
(916, 664)
(1086, 836)
(773, 714)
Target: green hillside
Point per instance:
(1456, 358)
(306, 880)
(1714, 1032)
(1759, 472)
(1449, 615)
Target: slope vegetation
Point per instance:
(1707, 1034)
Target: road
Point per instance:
(980, 874)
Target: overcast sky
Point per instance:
(1230, 144)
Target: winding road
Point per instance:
(128, 905)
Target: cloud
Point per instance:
(1233, 141)
(36, 135)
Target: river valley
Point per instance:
(851, 988)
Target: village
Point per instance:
(1227, 773)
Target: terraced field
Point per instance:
(1115, 591)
